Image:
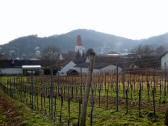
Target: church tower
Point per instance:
(79, 48)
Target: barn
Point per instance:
(17, 67)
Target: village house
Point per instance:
(164, 61)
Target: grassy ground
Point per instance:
(102, 115)
(14, 113)
(109, 117)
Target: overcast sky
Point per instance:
(133, 19)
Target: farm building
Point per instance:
(83, 67)
(164, 60)
(18, 67)
(98, 68)
(31, 69)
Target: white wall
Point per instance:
(164, 59)
(85, 70)
(11, 71)
(110, 68)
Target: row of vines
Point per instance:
(61, 97)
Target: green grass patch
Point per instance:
(25, 114)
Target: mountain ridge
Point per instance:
(102, 43)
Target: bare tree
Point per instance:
(148, 50)
(51, 54)
(143, 50)
(160, 50)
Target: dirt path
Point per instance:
(8, 114)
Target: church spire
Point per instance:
(79, 41)
(79, 48)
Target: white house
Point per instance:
(164, 60)
(67, 67)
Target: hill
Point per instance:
(102, 43)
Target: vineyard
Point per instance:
(136, 97)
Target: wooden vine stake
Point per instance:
(139, 106)
(91, 55)
(126, 101)
(117, 91)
